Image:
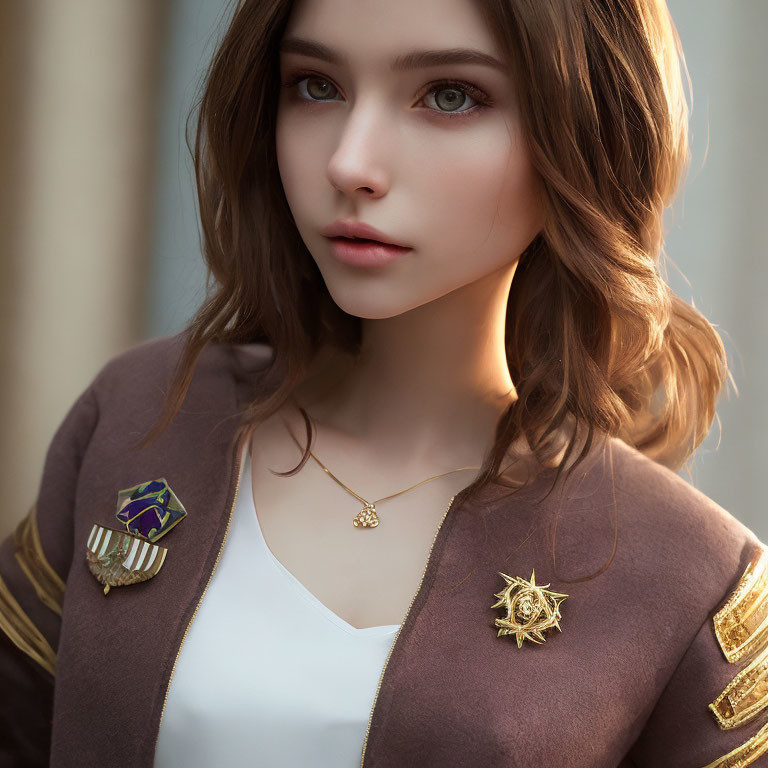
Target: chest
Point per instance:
(365, 575)
(452, 692)
(461, 694)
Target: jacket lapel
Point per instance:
(117, 651)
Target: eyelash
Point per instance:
(473, 91)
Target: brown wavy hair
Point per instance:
(596, 341)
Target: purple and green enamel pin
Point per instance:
(149, 509)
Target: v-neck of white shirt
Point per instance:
(246, 483)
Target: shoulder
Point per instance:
(675, 529)
(678, 554)
(143, 373)
(152, 363)
(700, 578)
(688, 583)
(124, 401)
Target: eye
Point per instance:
(446, 94)
(316, 87)
(457, 93)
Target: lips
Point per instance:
(360, 240)
(364, 252)
(361, 232)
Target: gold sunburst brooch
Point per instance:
(531, 609)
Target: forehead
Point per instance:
(381, 31)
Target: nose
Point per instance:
(358, 164)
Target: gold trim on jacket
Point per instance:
(741, 629)
(49, 587)
(746, 753)
(31, 558)
(22, 631)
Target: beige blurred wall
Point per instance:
(80, 78)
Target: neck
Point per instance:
(429, 384)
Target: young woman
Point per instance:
(413, 461)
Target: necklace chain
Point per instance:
(368, 517)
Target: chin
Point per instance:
(358, 306)
(378, 294)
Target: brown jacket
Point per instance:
(644, 647)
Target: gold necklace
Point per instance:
(367, 517)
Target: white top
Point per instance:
(268, 675)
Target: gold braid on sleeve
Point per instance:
(32, 561)
(48, 586)
(741, 629)
(22, 631)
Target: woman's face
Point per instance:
(439, 166)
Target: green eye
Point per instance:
(319, 89)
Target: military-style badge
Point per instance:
(120, 557)
(531, 609)
(117, 558)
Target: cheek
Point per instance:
(300, 164)
(289, 161)
(481, 195)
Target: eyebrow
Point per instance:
(406, 61)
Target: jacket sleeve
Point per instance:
(34, 563)
(713, 713)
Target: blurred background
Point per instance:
(101, 250)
